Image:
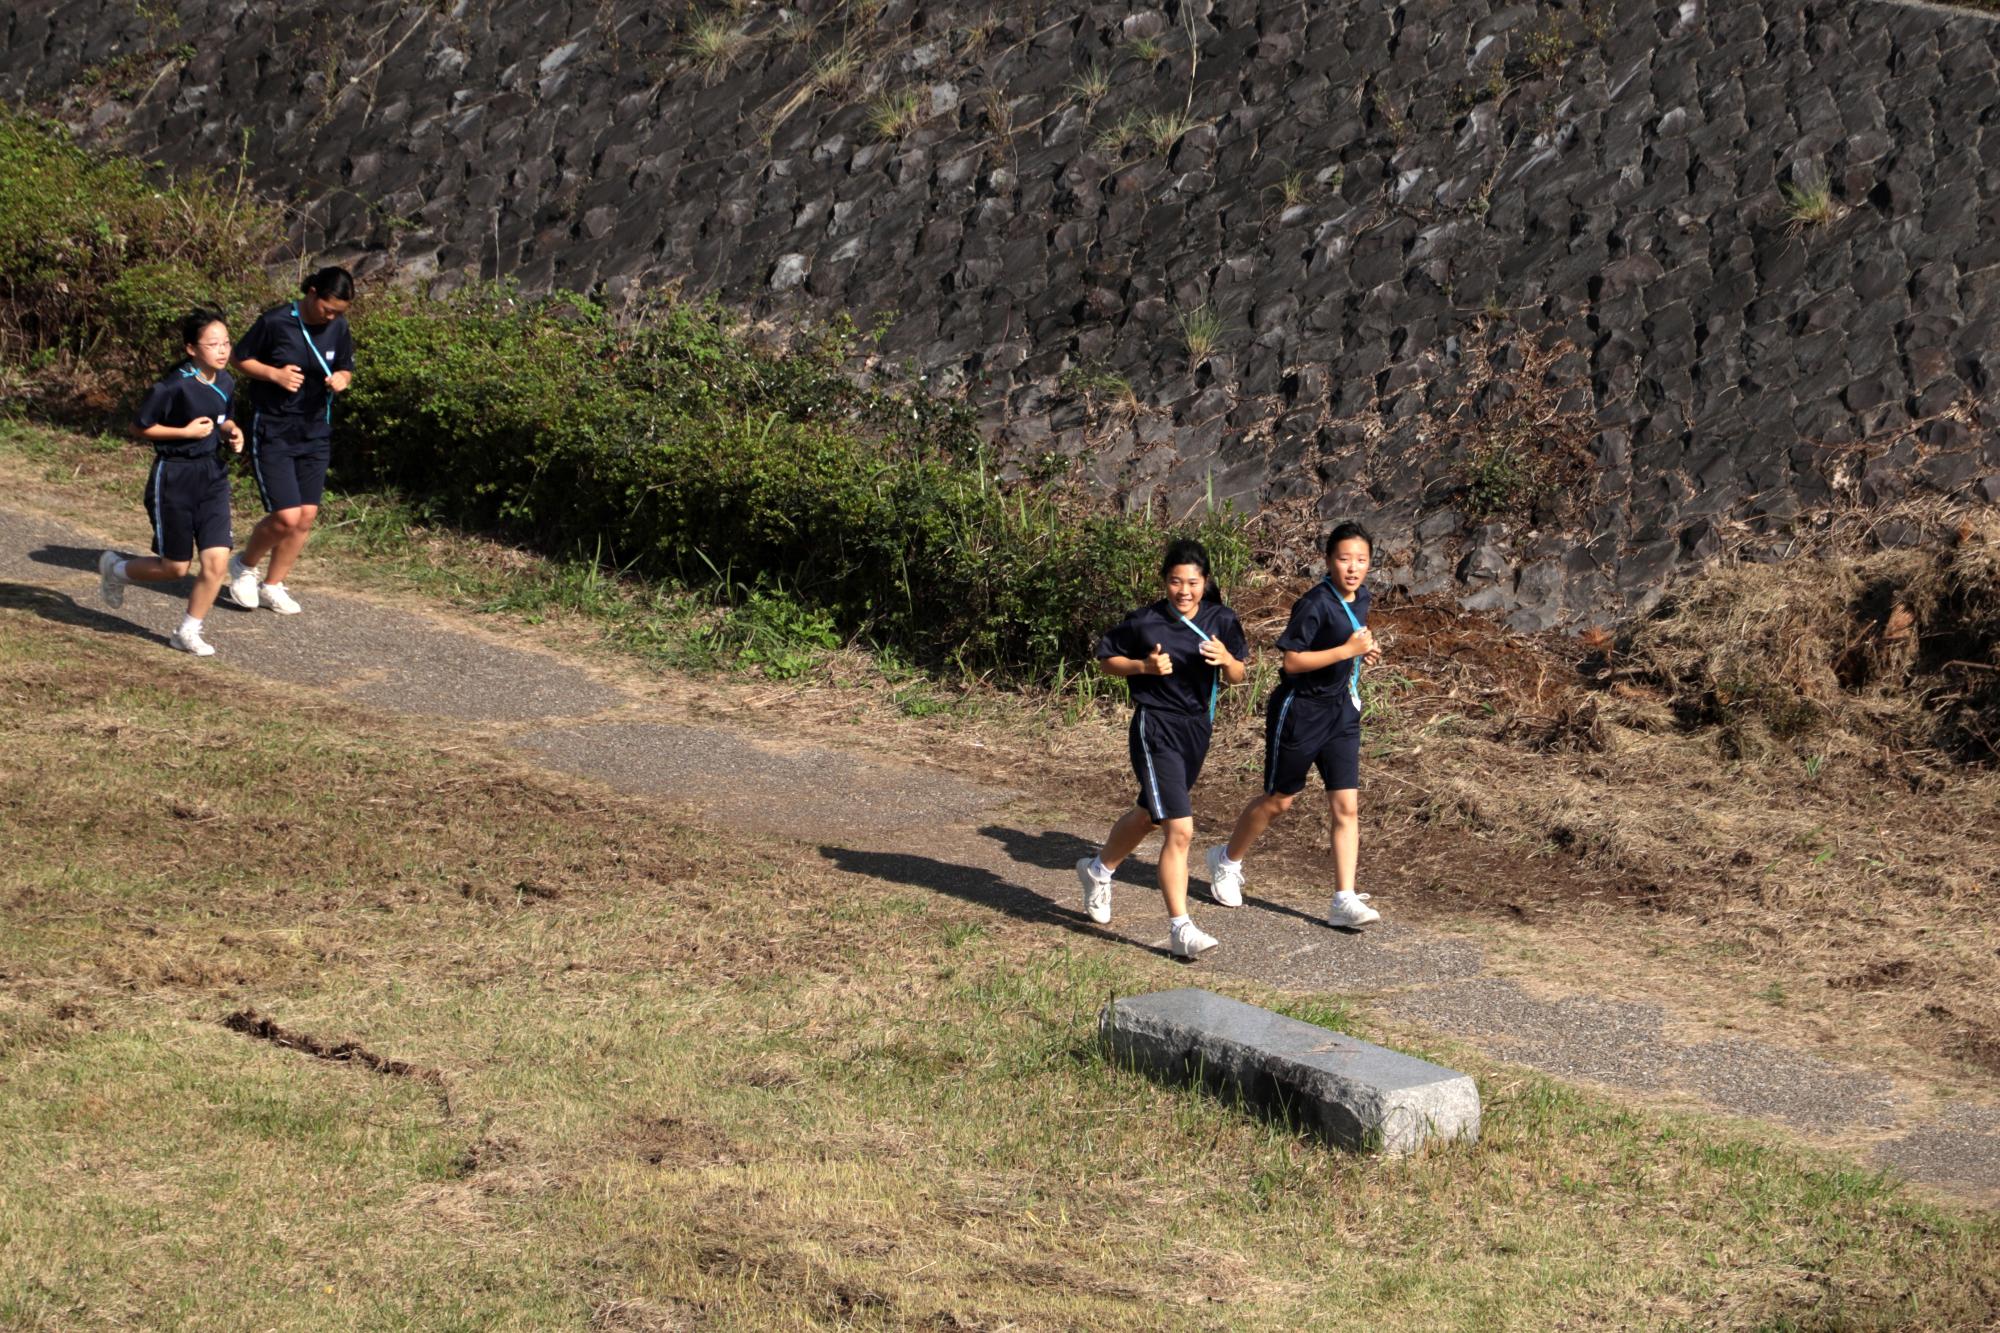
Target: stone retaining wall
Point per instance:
(1562, 299)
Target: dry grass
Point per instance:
(1760, 777)
(1501, 789)
(676, 1098)
(1844, 647)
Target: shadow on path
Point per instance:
(970, 883)
(79, 558)
(1053, 849)
(66, 610)
(84, 560)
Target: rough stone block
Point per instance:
(1354, 1094)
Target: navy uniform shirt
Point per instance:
(1319, 623)
(279, 338)
(180, 398)
(1189, 688)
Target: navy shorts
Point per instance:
(289, 464)
(188, 499)
(1303, 732)
(1167, 753)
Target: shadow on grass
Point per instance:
(970, 883)
(63, 609)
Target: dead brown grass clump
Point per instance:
(1900, 647)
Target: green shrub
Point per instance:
(691, 454)
(665, 442)
(98, 262)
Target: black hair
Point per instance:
(196, 320)
(1188, 551)
(1348, 532)
(331, 284)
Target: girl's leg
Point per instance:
(1346, 805)
(283, 533)
(1349, 910)
(1173, 864)
(264, 538)
(1125, 837)
(152, 569)
(1256, 817)
(208, 580)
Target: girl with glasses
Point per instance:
(186, 418)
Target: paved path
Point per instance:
(876, 817)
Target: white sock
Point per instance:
(1099, 870)
(1224, 861)
(1344, 896)
(1178, 921)
(190, 625)
(118, 571)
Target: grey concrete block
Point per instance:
(1353, 1093)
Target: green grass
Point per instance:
(1122, 133)
(1162, 130)
(675, 1098)
(1810, 203)
(1092, 85)
(1202, 328)
(895, 115)
(713, 46)
(1148, 50)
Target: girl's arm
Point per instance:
(288, 378)
(1217, 655)
(1358, 645)
(194, 430)
(1156, 663)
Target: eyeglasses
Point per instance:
(211, 342)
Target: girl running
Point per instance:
(296, 358)
(1175, 653)
(1314, 721)
(186, 419)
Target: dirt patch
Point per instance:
(1886, 975)
(1967, 1038)
(520, 893)
(674, 1141)
(644, 1316)
(253, 1024)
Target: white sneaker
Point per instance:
(1096, 892)
(109, 586)
(190, 641)
(1224, 885)
(1351, 909)
(275, 597)
(242, 585)
(1190, 941)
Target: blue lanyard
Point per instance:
(1353, 663)
(191, 373)
(1215, 680)
(313, 347)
